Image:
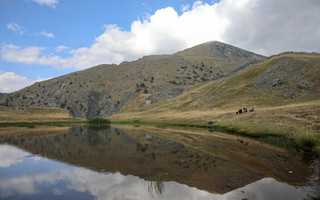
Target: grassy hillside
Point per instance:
(284, 90)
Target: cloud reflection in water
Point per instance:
(10, 155)
(57, 179)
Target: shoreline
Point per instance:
(286, 126)
(301, 142)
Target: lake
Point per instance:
(147, 162)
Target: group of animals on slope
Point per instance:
(244, 110)
(240, 111)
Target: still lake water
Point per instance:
(125, 162)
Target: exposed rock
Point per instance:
(276, 82)
(304, 85)
(286, 76)
(174, 92)
(290, 95)
(148, 102)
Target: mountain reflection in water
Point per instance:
(131, 163)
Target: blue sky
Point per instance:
(41, 39)
(71, 23)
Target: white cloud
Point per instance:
(46, 34)
(271, 27)
(51, 3)
(61, 48)
(265, 27)
(16, 54)
(10, 82)
(28, 55)
(185, 7)
(15, 27)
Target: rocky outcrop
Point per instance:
(290, 74)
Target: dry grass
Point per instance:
(33, 114)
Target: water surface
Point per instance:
(148, 163)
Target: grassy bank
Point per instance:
(291, 126)
(41, 123)
(97, 122)
(34, 114)
(31, 117)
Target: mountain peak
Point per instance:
(218, 49)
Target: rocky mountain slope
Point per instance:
(284, 90)
(283, 79)
(104, 90)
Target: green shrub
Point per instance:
(99, 122)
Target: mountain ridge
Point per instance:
(104, 90)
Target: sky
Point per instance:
(43, 39)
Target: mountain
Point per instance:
(105, 90)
